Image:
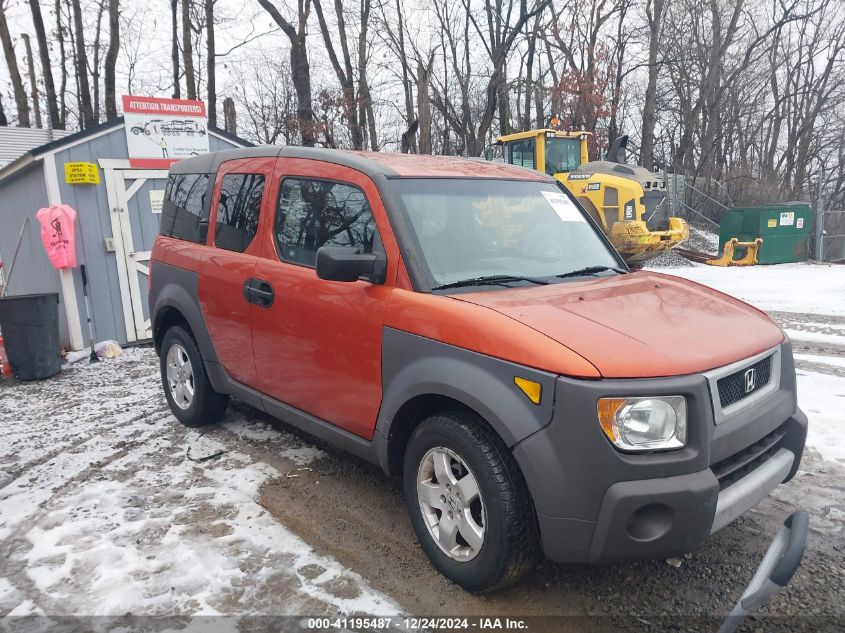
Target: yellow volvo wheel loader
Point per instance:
(627, 201)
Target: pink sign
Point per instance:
(57, 233)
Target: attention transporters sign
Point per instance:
(161, 131)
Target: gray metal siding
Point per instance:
(20, 197)
(22, 194)
(93, 226)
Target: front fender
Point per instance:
(414, 365)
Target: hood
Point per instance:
(641, 324)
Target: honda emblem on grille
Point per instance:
(750, 380)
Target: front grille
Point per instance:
(734, 387)
(733, 468)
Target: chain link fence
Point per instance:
(829, 243)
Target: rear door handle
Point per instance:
(259, 292)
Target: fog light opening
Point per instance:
(650, 522)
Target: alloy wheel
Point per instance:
(451, 504)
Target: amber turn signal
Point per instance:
(532, 389)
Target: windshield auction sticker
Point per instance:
(563, 206)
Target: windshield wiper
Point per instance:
(490, 280)
(591, 270)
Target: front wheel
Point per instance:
(186, 386)
(468, 502)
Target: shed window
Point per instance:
(237, 211)
(184, 214)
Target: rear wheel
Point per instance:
(468, 502)
(186, 386)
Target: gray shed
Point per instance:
(115, 228)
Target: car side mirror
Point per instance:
(202, 230)
(348, 263)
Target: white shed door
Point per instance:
(134, 196)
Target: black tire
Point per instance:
(207, 406)
(510, 544)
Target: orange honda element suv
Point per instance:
(467, 326)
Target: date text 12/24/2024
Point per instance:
(364, 623)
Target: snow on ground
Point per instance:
(806, 287)
(815, 337)
(822, 398)
(108, 506)
(833, 361)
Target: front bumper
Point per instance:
(597, 505)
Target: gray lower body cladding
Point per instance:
(593, 503)
(597, 505)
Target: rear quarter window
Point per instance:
(184, 214)
(238, 210)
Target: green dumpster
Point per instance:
(784, 228)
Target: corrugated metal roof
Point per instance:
(17, 141)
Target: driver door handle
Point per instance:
(259, 292)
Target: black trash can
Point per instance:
(30, 326)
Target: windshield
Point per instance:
(562, 154)
(472, 228)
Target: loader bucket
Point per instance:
(636, 243)
(730, 249)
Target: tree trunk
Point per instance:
(363, 83)
(95, 67)
(86, 111)
(4, 122)
(230, 122)
(211, 69)
(299, 67)
(61, 97)
(301, 76)
(174, 47)
(14, 74)
(654, 13)
(354, 111)
(33, 80)
(410, 117)
(46, 67)
(111, 59)
(188, 51)
(424, 105)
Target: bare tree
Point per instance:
(654, 10)
(211, 68)
(86, 110)
(174, 48)
(230, 120)
(188, 51)
(33, 80)
(46, 66)
(299, 66)
(111, 59)
(21, 101)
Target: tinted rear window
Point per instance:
(184, 207)
(237, 210)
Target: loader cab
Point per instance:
(551, 151)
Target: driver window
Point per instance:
(314, 213)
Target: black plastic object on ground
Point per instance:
(30, 326)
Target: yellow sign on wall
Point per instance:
(82, 174)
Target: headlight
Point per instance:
(656, 423)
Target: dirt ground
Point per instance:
(349, 516)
